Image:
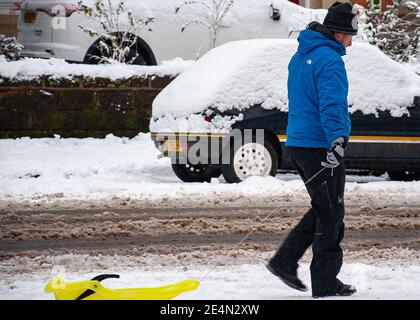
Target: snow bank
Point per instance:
(29, 69)
(244, 73)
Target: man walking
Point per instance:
(317, 135)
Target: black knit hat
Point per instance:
(341, 19)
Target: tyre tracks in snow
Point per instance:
(168, 230)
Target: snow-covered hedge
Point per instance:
(31, 69)
(9, 48)
(244, 73)
(40, 98)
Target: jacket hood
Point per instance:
(317, 35)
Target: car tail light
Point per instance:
(57, 9)
(207, 118)
(17, 6)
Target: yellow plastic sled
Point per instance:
(94, 290)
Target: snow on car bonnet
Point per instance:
(241, 74)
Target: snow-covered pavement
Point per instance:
(54, 170)
(247, 281)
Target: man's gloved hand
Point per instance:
(335, 154)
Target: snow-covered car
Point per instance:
(46, 35)
(243, 85)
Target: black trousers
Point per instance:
(322, 226)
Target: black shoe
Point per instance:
(345, 291)
(289, 279)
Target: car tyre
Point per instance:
(138, 54)
(196, 173)
(262, 161)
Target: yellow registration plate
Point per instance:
(29, 16)
(172, 146)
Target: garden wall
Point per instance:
(78, 107)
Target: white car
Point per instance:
(46, 35)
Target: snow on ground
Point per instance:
(247, 281)
(413, 66)
(56, 169)
(30, 68)
(392, 273)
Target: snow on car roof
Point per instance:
(235, 75)
(244, 73)
(376, 82)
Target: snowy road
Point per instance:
(84, 207)
(160, 230)
(154, 246)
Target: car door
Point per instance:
(383, 140)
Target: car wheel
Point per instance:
(196, 173)
(404, 175)
(250, 159)
(138, 54)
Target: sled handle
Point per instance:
(105, 276)
(99, 278)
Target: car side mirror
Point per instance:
(275, 13)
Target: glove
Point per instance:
(335, 153)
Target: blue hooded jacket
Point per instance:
(317, 90)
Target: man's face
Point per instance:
(344, 38)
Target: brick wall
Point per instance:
(384, 3)
(78, 107)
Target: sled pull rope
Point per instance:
(262, 221)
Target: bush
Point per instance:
(396, 31)
(118, 26)
(9, 48)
